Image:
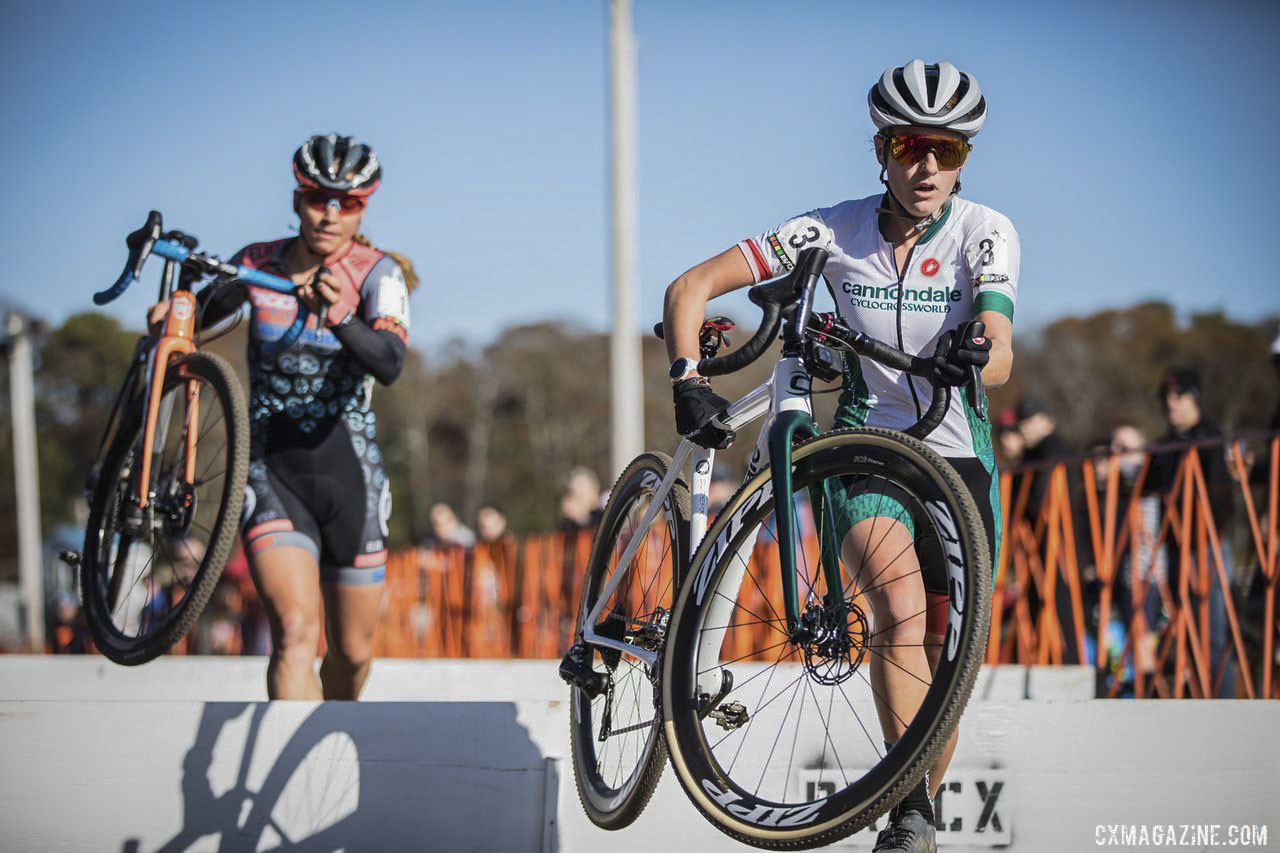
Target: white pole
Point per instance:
(626, 380)
(26, 485)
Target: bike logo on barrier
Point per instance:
(727, 533)
(762, 815)
(966, 809)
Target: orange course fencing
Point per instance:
(1157, 560)
(1095, 568)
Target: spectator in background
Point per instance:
(218, 631)
(1135, 571)
(447, 529)
(69, 632)
(1180, 392)
(1009, 438)
(580, 500)
(1275, 364)
(1042, 446)
(1041, 443)
(491, 524)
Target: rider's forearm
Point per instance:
(688, 295)
(997, 371)
(379, 351)
(1000, 330)
(682, 312)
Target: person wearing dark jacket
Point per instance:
(1180, 392)
(1042, 446)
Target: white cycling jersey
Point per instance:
(964, 264)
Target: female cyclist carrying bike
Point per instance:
(911, 266)
(316, 508)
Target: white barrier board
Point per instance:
(116, 774)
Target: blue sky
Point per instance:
(1111, 141)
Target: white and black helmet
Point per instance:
(929, 96)
(339, 163)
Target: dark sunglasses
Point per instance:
(911, 148)
(318, 200)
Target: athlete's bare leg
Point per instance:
(933, 648)
(880, 558)
(351, 617)
(288, 581)
(903, 656)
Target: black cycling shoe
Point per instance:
(909, 832)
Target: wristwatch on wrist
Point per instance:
(683, 368)
(345, 321)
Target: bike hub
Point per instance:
(832, 640)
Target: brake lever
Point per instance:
(975, 329)
(974, 390)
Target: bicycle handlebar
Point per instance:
(772, 297)
(777, 296)
(146, 241)
(878, 350)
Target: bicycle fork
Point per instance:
(792, 420)
(177, 339)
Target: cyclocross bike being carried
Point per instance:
(167, 488)
(758, 690)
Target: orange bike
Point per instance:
(166, 491)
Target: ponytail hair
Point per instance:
(411, 279)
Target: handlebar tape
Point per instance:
(139, 244)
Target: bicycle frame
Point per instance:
(178, 335)
(785, 403)
(782, 399)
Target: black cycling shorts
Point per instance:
(326, 493)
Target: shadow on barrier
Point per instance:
(358, 776)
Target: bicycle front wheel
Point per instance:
(146, 572)
(778, 731)
(616, 734)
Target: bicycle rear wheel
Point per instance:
(777, 734)
(616, 734)
(146, 573)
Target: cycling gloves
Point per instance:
(957, 352)
(696, 409)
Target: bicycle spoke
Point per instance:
(778, 736)
(826, 735)
(889, 660)
(874, 747)
(744, 657)
(749, 612)
(795, 735)
(883, 700)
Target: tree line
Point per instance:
(503, 423)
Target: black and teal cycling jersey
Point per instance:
(316, 478)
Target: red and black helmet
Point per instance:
(341, 164)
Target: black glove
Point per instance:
(959, 351)
(696, 406)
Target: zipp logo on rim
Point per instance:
(774, 816)
(946, 528)
(727, 533)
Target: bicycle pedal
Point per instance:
(730, 716)
(576, 671)
(71, 558)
